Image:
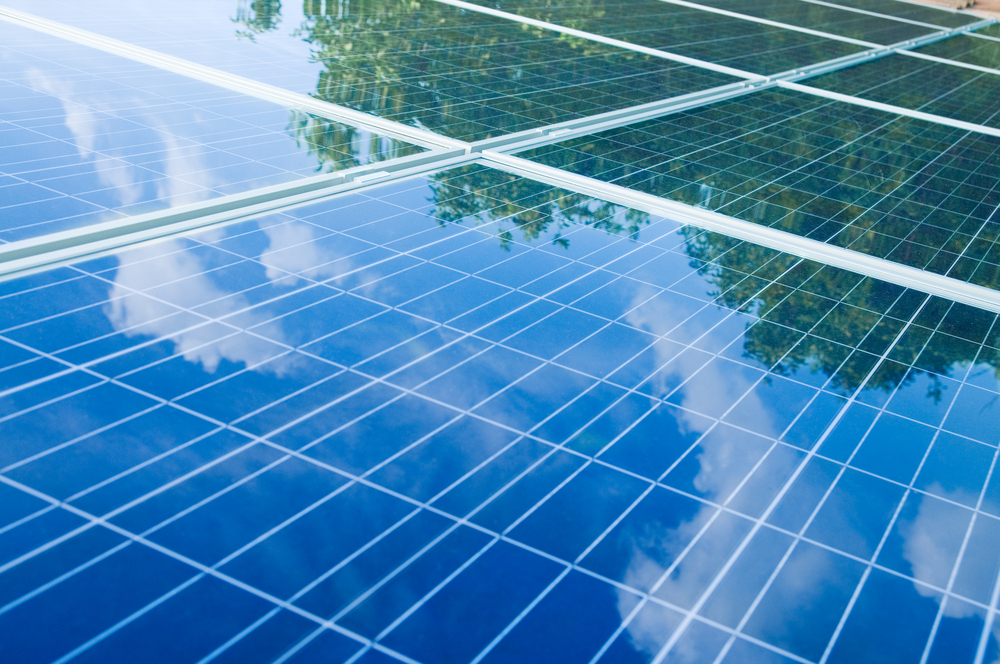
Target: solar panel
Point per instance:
(733, 42)
(90, 137)
(906, 190)
(673, 366)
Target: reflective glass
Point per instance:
(693, 33)
(912, 11)
(990, 31)
(87, 137)
(826, 19)
(963, 48)
(921, 85)
(459, 73)
(912, 192)
(473, 417)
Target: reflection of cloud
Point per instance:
(90, 118)
(182, 273)
(927, 546)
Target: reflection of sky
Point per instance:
(198, 30)
(134, 138)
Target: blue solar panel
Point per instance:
(472, 417)
(91, 137)
(450, 414)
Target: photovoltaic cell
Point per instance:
(921, 85)
(911, 11)
(89, 137)
(690, 32)
(827, 19)
(462, 74)
(912, 192)
(963, 48)
(473, 393)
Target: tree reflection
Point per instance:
(257, 17)
(397, 58)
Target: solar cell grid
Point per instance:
(827, 19)
(963, 48)
(91, 137)
(596, 407)
(469, 416)
(690, 32)
(911, 11)
(921, 85)
(913, 192)
(462, 74)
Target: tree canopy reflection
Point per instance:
(385, 56)
(534, 212)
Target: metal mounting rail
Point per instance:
(889, 108)
(233, 82)
(25, 256)
(863, 264)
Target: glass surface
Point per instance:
(990, 31)
(963, 48)
(912, 192)
(921, 85)
(474, 417)
(693, 33)
(912, 11)
(826, 19)
(462, 74)
(87, 137)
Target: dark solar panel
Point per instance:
(827, 19)
(921, 85)
(971, 50)
(911, 11)
(912, 192)
(732, 42)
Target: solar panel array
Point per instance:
(504, 331)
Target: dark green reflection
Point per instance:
(912, 12)
(916, 193)
(973, 50)
(826, 19)
(257, 17)
(694, 33)
(338, 146)
(932, 87)
(536, 211)
(471, 76)
(990, 30)
(815, 322)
